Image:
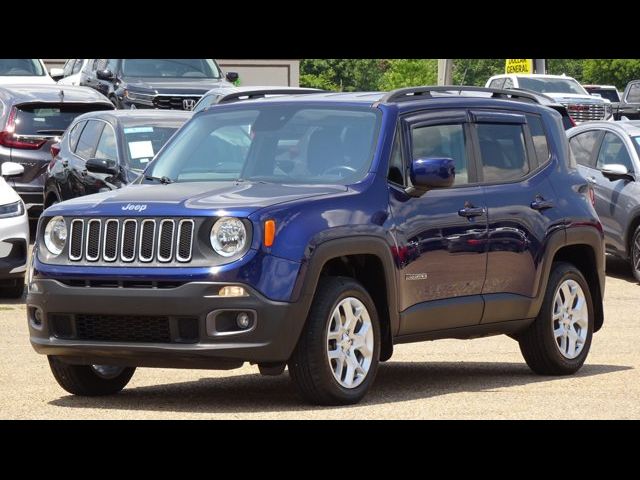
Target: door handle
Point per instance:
(541, 204)
(471, 212)
(592, 180)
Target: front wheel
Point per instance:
(336, 358)
(558, 341)
(635, 254)
(90, 380)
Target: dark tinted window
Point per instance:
(142, 142)
(496, 83)
(444, 141)
(634, 93)
(608, 93)
(74, 135)
(508, 83)
(396, 166)
(503, 152)
(50, 119)
(20, 67)
(107, 147)
(540, 143)
(89, 139)
(551, 85)
(582, 146)
(613, 151)
(173, 68)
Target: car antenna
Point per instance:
(61, 95)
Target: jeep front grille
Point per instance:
(131, 240)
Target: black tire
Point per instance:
(84, 380)
(538, 344)
(17, 291)
(634, 254)
(309, 366)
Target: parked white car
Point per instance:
(72, 71)
(24, 71)
(14, 235)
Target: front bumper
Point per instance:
(14, 238)
(272, 338)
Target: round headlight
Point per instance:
(228, 236)
(55, 235)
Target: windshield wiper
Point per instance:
(163, 180)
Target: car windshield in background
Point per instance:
(272, 143)
(172, 68)
(633, 96)
(551, 85)
(20, 67)
(637, 144)
(143, 142)
(609, 94)
(48, 119)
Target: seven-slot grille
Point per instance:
(130, 240)
(583, 112)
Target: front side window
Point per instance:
(633, 96)
(442, 141)
(107, 147)
(502, 151)
(89, 139)
(272, 143)
(68, 67)
(172, 68)
(613, 151)
(582, 146)
(78, 66)
(21, 67)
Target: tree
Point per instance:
(615, 71)
(568, 66)
(339, 74)
(409, 72)
(476, 71)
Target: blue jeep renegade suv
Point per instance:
(318, 231)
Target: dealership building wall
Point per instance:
(252, 72)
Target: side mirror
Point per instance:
(11, 169)
(232, 76)
(104, 74)
(102, 165)
(429, 173)
(616, 171)
(56, 73)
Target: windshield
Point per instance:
(143, 142)
(49, 118)
(20, 67)
(552, 85)
(272, 143)
(172, 68)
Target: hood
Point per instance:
(190, 198)
(195, 86)
(7, 194)
(28, 80)
(574, 98)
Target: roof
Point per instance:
(51, 93)
(629, 127)
(141, 117)
(601, 86)
(534, 75)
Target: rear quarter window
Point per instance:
(539, 137)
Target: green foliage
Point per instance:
(345, 75)
(476, 71)
(409, 72)
(615, 71)
(569, 66)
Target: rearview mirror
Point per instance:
(102, 165)
(429, 173)
(56, 73)
(11, 169)
(105, 74)
(616, 171)
(232, 76)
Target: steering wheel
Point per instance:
(339, 168)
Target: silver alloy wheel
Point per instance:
(107, 371)
(635, 253)
(570, 319)
(350, 342)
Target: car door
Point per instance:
(514, 171)
(85, 149)
(616, 199)
(106, 149)
(441, 235)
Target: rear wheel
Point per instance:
(336, 358)
(558, 341)
(90, 380)
(635, 254)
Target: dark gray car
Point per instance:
(32, 118)
(608, 157)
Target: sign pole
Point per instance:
(540, 66)
(445, 71)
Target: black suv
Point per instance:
(630, 102)
(32, 119)
(318, 231)
(175, 84)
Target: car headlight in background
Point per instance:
(228, 236)
(14, 209)
(55, 235)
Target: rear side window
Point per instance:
(49, 119)
(89, 139)
(508, 83)
(634, 93)
(582, 146)
(496, 83)
(540, 143)
(442, 141)
(74, 135)
(503, 152)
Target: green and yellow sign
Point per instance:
(518, 65)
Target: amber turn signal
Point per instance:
(269, 232)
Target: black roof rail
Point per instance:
(261, 92)
(414, 93)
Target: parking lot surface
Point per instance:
(447, 379)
